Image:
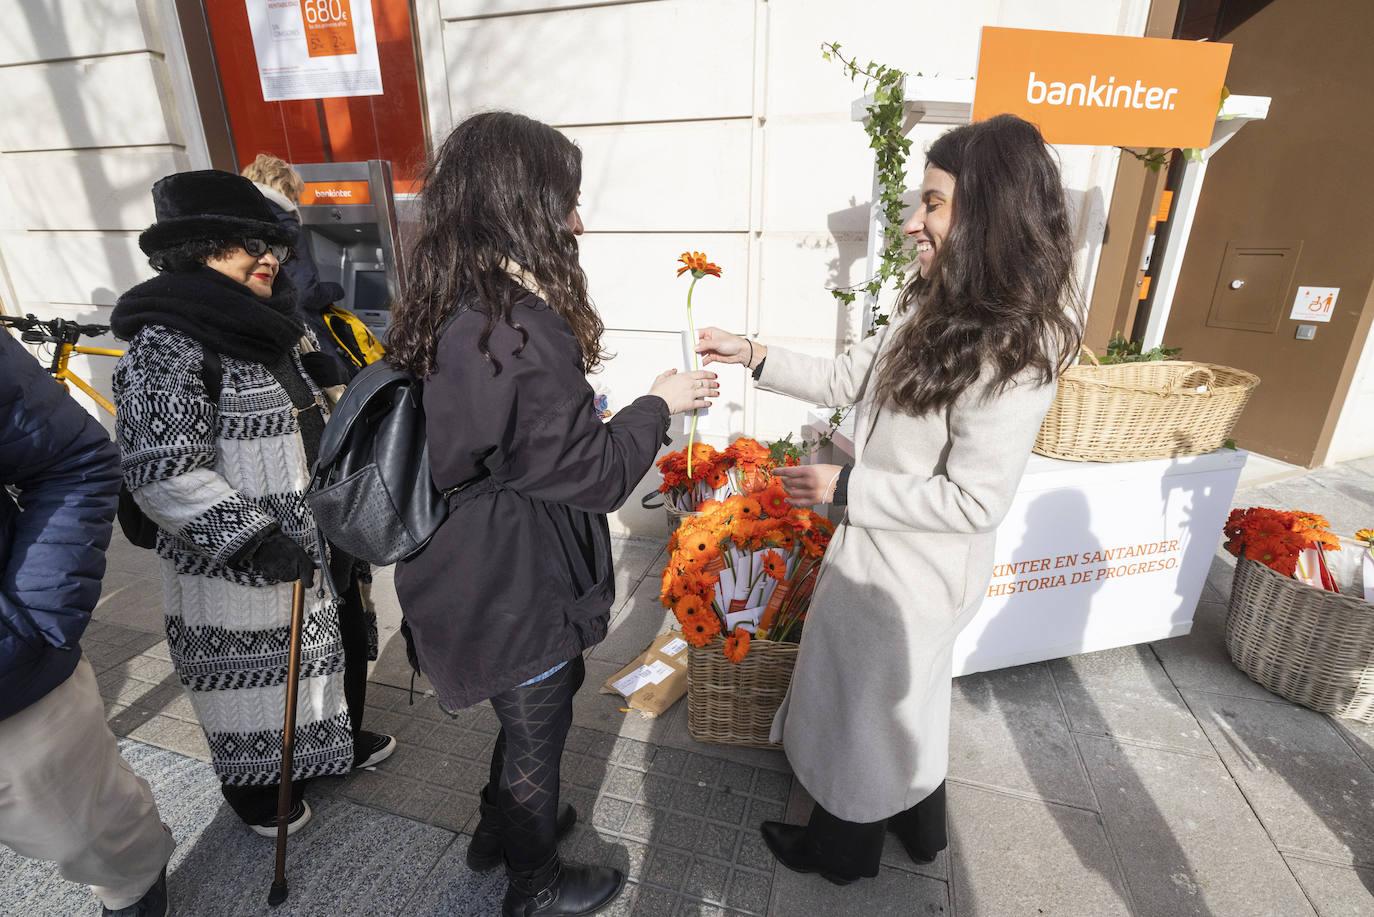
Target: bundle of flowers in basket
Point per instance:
(1288, 625)
(1290, 542)
(713, 476)
(745, 568)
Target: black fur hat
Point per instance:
(209, 204)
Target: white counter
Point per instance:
(1094, 555)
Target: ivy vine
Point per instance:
(884, 126)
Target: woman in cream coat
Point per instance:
(947, 401)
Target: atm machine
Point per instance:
(348, 218)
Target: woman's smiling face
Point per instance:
(930, 223)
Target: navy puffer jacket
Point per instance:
(62, 475)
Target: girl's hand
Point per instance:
(808, 485)
(685, 392)
(717, 346)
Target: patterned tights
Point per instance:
(525, 763)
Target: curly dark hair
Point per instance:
(1001, 293)
(499, 189)
(191, 254)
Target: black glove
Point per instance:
(324, 369)
(279, 558)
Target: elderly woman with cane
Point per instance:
(218, 424)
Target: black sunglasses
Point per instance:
(257, 248)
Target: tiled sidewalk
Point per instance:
(1153, 780)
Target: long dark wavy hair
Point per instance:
(1000, 296)
(498, 190)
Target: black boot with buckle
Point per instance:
(485, 851)
(559, 889)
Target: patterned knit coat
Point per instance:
(212, 477)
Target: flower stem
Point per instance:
(696, 364)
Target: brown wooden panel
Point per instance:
(1252, 286)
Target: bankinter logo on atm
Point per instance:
(1103, 89)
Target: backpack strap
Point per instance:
(212, 375)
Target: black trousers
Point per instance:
(258, 804)
(526, 761)
(856, 849)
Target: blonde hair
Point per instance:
(277, 174)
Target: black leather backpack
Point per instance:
(371, 492)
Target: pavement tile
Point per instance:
(1007, 730)
(1187, 840)
(1125, 692)
(718, 841)
(590, 846)
(1335, 891)
(1311, 790)
(135, 602)
(451, 888)
(655, 902)
(641, 822)
(1015, 856)
(174, 735)
(893, 893)
(639, 621)
(667, 867)
(1199, 660)
(610, 814)
(707, 880)
(762, 810)
(749, 891)
(772, 785)
(1359, 736)
(674, 829)
(728, 807)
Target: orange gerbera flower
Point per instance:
(747, 508)
(701, 630)
(737, 645)
(774, 565)
(696, 263)
(1365, 535)
(689, 607)
(774, 501)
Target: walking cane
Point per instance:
(293, 670)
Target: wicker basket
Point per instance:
(1314, 647)
(734, 704)
(1134, 411)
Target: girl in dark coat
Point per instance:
(518, 581)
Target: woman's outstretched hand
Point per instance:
(685, 392)
(717, 346)
(808, 485)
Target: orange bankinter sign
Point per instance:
(336, 192)
(329, 27)
(1103, 89)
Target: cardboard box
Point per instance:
(657, 678)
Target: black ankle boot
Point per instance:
(912, 845)
(561, 889)
(485, 851)
(790, 845)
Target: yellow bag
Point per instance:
(353, 337)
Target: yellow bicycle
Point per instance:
(65, 336)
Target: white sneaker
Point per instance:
(297, 820)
